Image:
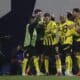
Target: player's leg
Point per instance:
(78, 62)
(25, 60)
(58, 65)
(36, 60)
(68, 60)
(58, 61)
(78, 57)
(46, 60)
(24, 65)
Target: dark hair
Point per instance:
(47, 15)
(70, 16)
(76, 9)
(37, 10)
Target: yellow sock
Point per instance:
(36, 64)
(78, 61)
(47, 65)
(24, 64)
(68, 62)
(58, 65)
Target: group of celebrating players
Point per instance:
(46, 38)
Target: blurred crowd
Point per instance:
(50, 47)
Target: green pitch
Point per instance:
(38, 78)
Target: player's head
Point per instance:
(76, 12)
(70, 16)
(47, 17)
(62, 19)
(38, 12)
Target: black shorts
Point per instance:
(37, 50)
(39, 47)
(65, 49)
(33, 51)
(26, 52)
(76, 46)
(50, 50)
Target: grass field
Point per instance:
(38, 78)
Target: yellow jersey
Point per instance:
(76, 34)
(50, 31)
(66, 32)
